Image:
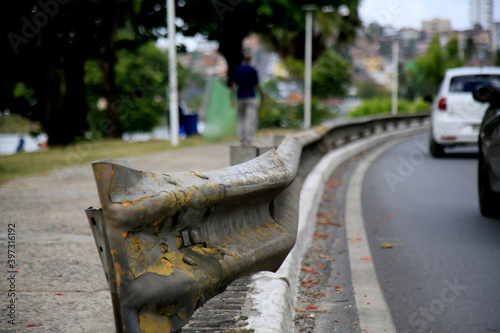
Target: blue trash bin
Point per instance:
(191, 124)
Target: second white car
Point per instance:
(456, 116)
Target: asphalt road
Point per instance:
(443, 269)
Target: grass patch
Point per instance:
(36, 163)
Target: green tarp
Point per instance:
(220, 118)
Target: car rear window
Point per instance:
(469, 83)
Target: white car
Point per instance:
(456, 116)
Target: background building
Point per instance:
(481, 12)
(436, 26)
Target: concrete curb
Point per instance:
(273, 295)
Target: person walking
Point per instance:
(246, 78)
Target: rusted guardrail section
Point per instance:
(170, 242)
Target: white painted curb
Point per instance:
(273, 295)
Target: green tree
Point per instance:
(470, 48)
(282, 22)
(496, 58)
(370, 89)
(432, 65)
(331, 76)
(295, 67)
(141, 80)
(45, 48)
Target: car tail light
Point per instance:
(442, 104)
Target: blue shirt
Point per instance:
(246, 77)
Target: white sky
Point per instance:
(410, 13)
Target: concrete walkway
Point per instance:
(58, 283)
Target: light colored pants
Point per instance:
(247, 120)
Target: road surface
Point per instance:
(435, 258)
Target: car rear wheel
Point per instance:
(436, 149)
(488, 200)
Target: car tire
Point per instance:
(488, 200)
(436, 149)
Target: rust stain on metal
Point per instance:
(178, 241)
(118, 269)
(197, 174)
(133, 203)
(151, 322)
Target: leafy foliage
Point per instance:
(381, 106)
(331, 76)
(432, 65)
(275, 114)
(141, 79)
(370, 89)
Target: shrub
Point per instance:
(381, 106)
(275, 114)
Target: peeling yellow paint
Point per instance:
(134, 202)
(182, 314)
(166, 261)
(149, 323)
(206, 250)
(140, 208)
(137, 230)
(119, 273)
(125, 234)
(118, 269)
(178, 241)
(136, 244)
(156, 225)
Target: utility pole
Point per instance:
(172, 73)
(308, 64)
(395, 60)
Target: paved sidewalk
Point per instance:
(59, 281)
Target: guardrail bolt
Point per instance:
(194, 235)
(189, 261)
(186, 239)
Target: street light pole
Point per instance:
(308, 63)
(395, 60)
(172, 66)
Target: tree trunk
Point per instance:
(75, 104)
(113, 128)
(49, 82)
(65, 117)
(51, 100)
(230, 47)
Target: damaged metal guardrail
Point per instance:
(170, 242)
